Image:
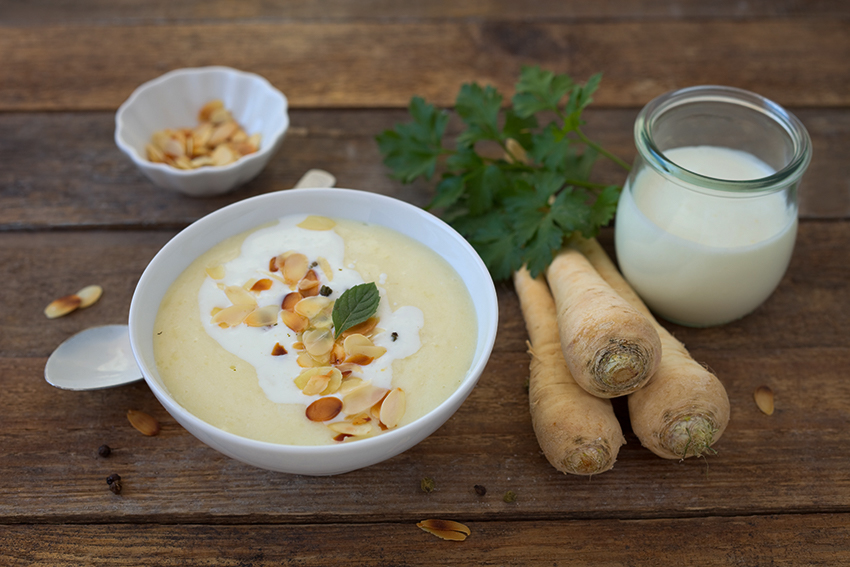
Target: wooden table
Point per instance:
(75, 211)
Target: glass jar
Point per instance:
(707, 219)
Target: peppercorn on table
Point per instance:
(74, 211)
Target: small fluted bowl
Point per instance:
(173, 101)
(250, 213)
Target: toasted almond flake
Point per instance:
(206, 110)
(361, 399)
(358, 344)
(278, 350)
(220, 116)
(216, 272)
(89, 295)
(261, 285)
(255, 139)
(392, 408)
(294, 321)
(238, 295)
(359, 360)
(302, 379)
(349, 384)
(316, 384)
(337, 354)
(347, 368)
(326, 268)
(445, 529)
(324, 409)
(224, 155)
(62, 306)
(333, 384)
(318, 342)
(144, 423)
(764, 399)
(263, 317)
(233, 315)
(221, 134)
(291, 300)
(154, 154)
(174, 148)
(364, 328)
(316, 222)
(201, 135)
(273, 264)
(304, 360)
(348, 428)
(295, 268)
(311, 307)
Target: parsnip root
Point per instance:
(610, 348)
(578, 432)
(684, 409)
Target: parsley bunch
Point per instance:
(518, 206)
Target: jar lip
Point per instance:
(790, 124)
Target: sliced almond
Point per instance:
(62, 306)
(238, 295)
(206, 111)
(333, 384)
(316, 384)
(318, 342)
(348, 428)
(261, 285)
(222, 133)
(294, 321)
(358, 344)
(144, 423)
(324, 409)
(278, 350)
(291, 300)
(216, 272)
(364, 328)
(294, 268)
(361, 399)
(764, 399)
(445, 529)
(233, 315)
(349, 384)
(223, 155)
(392, 408)
(316, 222)
(263, 317)
(311, 307)
(89, 295)
(303, 379)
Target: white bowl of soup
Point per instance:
(314, 331)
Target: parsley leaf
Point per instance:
(518, 207)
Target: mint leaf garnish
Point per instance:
(354, 306)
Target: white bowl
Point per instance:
(173, 101)
(420, 225)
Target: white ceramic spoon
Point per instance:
(101, 357)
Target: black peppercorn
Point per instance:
(394, 336)
(104, 451)
(325, 291)
(115, 487)
(480, 490)
(114, 477)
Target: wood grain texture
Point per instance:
(790, 462)
(47, 182)
(797, 62)
(41, 12)
(792, 541)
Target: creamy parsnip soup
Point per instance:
(311, 331)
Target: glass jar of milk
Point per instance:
(707, 219)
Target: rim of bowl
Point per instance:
(469, 381)
(140, 91)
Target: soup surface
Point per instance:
(244, 337)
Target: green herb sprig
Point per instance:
(354, 306)
(516, 208)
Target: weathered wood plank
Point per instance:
(47, 182)
(797, 541)
(41, 12)
(797, 62)
(791, 462)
